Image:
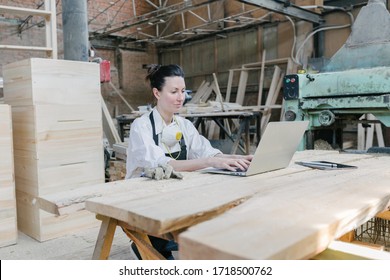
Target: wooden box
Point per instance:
(58, 138)
(49, 81)
(8, 227)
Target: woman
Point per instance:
(161, 137)
(153, 137)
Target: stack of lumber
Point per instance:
(57, 126)
(203, 93)
(8, 228)
(117, 170)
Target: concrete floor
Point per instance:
(77, 246)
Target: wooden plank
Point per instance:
(369, 245)
(207, 92)
(51, 29)
(43, 226)
(272, 96)
(369, 132)
(217, 91)
(62, 203)
(196, 98)
(384, 215)
(349, 251)
(121, 96)
(366, 135)
(8, 226)
(23, 11)
(374, 128)
(242, 87)
(295, 218)
(379, 135)
(109, 128)
(26, 48)
(267, 62)
(291, 67)
(229, 85)
(361, 135)
(261, 79)
(220, 99)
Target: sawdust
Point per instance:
(322, 145)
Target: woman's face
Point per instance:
(172, 95)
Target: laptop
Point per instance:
(277, 146)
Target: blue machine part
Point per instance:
(323, 96)
(356, 80)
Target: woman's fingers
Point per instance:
(232, 164)
(241, 164)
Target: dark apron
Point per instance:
(163, 246)
(182, 154)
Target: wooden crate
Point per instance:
(63, 146)
(57, 126)
(8, 228)
(49, 81)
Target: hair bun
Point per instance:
(153, 68)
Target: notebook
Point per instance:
(277, 146)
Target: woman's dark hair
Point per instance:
(157, 73)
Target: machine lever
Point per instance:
(310, 77)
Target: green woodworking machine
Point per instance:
(356, 80)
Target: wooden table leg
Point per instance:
(348, 237)
(106, 236)
(104, 240)
(144, 246)
(247, 136)
(236, 143)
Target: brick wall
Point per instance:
(126, 64)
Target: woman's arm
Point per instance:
(230, 162)
(202, 155)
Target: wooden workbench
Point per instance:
(293, 213)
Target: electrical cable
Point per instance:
(294, 41)
(313, 33)
(323, 28)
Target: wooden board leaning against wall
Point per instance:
(8, 228)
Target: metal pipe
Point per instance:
(75, 28)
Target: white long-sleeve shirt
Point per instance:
(142, 152)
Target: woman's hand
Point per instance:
(231, 162)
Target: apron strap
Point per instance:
(183, 146)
